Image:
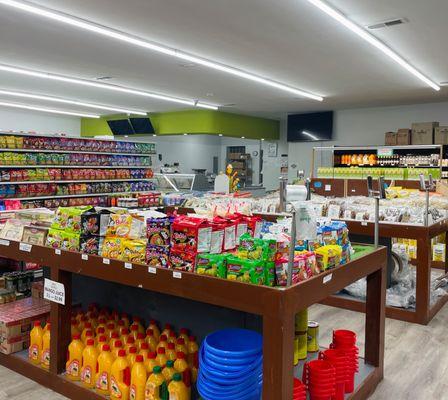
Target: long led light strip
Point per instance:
(124, 37)
(72, 102)
(101, 85)
(372, 40)
(48, 110)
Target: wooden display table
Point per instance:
(276, 306)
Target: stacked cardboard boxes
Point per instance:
(423, 132)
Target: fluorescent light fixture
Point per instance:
(99, 85)
(48, 110)
(208, 106)
(136, 41)
(262, 139)
(154, 134)
(338, 16)
(220, 134)
(310, 135)
(242, 137)
(65, 101)
(185, 134)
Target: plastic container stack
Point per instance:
(320, 377)
(346, 341)
(338, 358)
(231, 366)
(299, 392)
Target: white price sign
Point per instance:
(25, 247)
(54, 291)
(4, 242)
(152, 270)
(177, 274)
(128, 265)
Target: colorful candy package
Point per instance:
(158, 256)
(212, 265)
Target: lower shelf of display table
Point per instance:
(365, 370)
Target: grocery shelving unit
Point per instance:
(276, 306)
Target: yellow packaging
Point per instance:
(138, 380)
(300, 347)
(45, 357)
(156, 387)
(120, 378)
(177, 389)
(155, 329)
(89, 363)
(313, 337)
(301, 324)
(328, 256)
(35, 349)
(73, 366)
(105, 361)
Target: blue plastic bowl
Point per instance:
(213, 391)
(231, 382)
(237, 362)
(234, 343)
(227, 370)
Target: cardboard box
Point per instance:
(423, 132)
(390, 138)
(403, 137)
(16, 344)
(441, 135)
(37, 290)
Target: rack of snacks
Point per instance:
(71, 171)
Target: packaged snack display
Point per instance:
(191, 235)
(182, 260)
(111, 247)
(158, 231)
(133, 250)
(69, 218)
(65, 240)
(34, 235)
(89, 244)
(212, 265)
(157, 256)
(125, 226)
(13, 230)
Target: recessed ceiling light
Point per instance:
(126, 136)
(242, 137)
(101, 85)
(220, 134)
(47, 110)
(136, 41)
(185, 134)
(262, 139)
(65, 101)
(154, 134)
(368, 37)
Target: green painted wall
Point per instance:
(196, 122)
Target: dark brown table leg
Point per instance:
(60, 322)
(375, 317)
(278, 357)
(422, 293)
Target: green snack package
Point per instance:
(269, 273)
(212, 265)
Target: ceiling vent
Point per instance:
(388, 24)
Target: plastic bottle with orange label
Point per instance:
(138, 380)
(144, 350)
(161, 357)
(171, 352)
(168, 329)
(45, 356)
(155, 329)
(105, 361)
(183, 333)
(151, 340)
(151, 362)
(181, 347)
(120, 377)
(182, 367)
(134, 328)
(89, 364)
(172, 338)
(132, 356)
(35, 349)
(125, 319)
(163, 342)
(169, 371)
(156, 387)
(141, 338)
(118, 345)
(74, 328)
(177, 389)
(73, 365)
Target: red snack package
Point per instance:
(191, 235)
(182, 260)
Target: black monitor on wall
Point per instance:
(121, 127)
(141, 125)
(311, 127)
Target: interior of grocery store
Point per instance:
(235, 200)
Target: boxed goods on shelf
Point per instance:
(423, 132)
(441, 135)
(404, 137)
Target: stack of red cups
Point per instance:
(320, 377)
(346, 341)
(299, 392)
(338, 358)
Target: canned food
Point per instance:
(313, 337)
(301, 321)
(300, 347)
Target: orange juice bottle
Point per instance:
(138, 380)
(169, 371)
(102, 340)
(151, 362)
(110, 327)
(156, 387)
(181, 347)
(79, 315)
(161, 357)
(101, 324)
(82, 323)
(138, 321)
(120, 377)
(88, 335)
(172, 338)
(45, 357)
(120, 325)
(74, 328)
(73, 366)
(93, 319)
(113, 338)
(134, 330)
(177, 389)
(105, 361)
(144, 351)
(140, 339)
(151, 340)
(130, 342)
(193, 352)
(132, 355)
(170, 352)
(181, 366)
(114, 316)
(87, 327)
(155, 329)
(118, 345)
(100, 331)
(89, 364)
(183, 333)
(163, 342)
(168, 329)
(35, 350)
(124, 334)
(125, 319)
(46, 327)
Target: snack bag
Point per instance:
(133, 250)
(191, 235)
(238, 269)
(158, 256)
(111, 247)
(125, 226)
(212, 265)
(90, 223)
(158, 231)
(182, 260)
(269, 273)
(217, 237)
(89, 244)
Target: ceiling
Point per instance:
(290, 41)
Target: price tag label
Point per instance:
(106, 261)
(57, 252)
(177, 274)
(54, 291)
(152, 270)
(4, 242)
(85, 257)
(328, 278)
(128, 265)
(25, 247)
(364, 223)
(327, 188)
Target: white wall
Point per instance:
(34, 121)
(366, 126)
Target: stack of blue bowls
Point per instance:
(231, 365)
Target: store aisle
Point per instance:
(414, 353)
